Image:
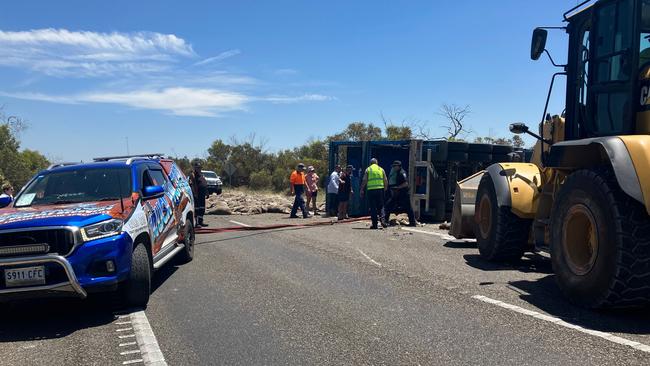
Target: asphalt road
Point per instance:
(335, 295)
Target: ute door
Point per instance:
(613, 71)
(160, 215)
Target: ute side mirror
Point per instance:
(538, 43)
(518, 128)
(151, 192)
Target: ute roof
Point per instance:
(99, 164)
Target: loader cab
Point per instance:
(608, 77)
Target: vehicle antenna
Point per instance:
(119, 183)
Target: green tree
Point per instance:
(518, 142)
(12, 164)
(398, 132)
(34, 161)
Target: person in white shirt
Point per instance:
(7, 195)
(333, 192)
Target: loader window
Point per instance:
(610, 91)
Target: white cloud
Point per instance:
(280, 99)
(179, 101)
(60, 52)
(222, 56)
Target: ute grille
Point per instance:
(55, 241)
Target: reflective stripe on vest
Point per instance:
(375, 177)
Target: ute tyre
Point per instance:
(187, 254)
(613, 269)
(501, 235)
(137, 288)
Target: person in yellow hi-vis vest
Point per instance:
(375, 183)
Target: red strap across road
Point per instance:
(272, 227)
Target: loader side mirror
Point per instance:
(538, 43)
(518, 128)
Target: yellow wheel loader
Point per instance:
(585, 196)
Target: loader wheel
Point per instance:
(500, 234)
(600, 248)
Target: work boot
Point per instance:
(293, 217)
(384, 224)
(202, 224)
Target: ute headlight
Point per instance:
(102, 229)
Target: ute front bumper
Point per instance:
(75, 275)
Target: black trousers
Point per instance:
(332, 204)
(199, 205)
(376, 205)
(400, 198)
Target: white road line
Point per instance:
(443, 236)
(128, 344)
(551, 319)
(123, 323)
(126, 336)
(139, 360)
(124, 329)
(239, 223)
(370, 259)
(151, 353)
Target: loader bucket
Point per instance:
(462, 216)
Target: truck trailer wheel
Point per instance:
(137, 288)
(600, 248)
(500, 234)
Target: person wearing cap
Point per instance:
(199, 186)
(345, 192)
(311, 182)
(399, 189)
(7, 195)
(298, 189)
(333, 191)
(375, 183)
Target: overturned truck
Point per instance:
(433, 168)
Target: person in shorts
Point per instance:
(312, 179)
(345, 192)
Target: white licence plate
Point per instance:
(25, 276)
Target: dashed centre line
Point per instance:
(239, 223)
(370, 259)
(551, 319)
(443, 236)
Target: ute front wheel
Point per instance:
(136, 289)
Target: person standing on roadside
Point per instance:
(399, 189)
(345, 192)
(298, 189)
(312, 179)
(7, 196)
(333, 191)
(199, 190)
(375, 183)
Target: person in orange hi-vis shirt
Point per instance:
(298, 189)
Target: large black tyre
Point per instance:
(480, 157)
(187, 254)
(600, 243)
(501, 235)
(502, 149)
(480, 148)
(457, 146)
(457, 156)
(136, 289)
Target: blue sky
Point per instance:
(172, 76)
